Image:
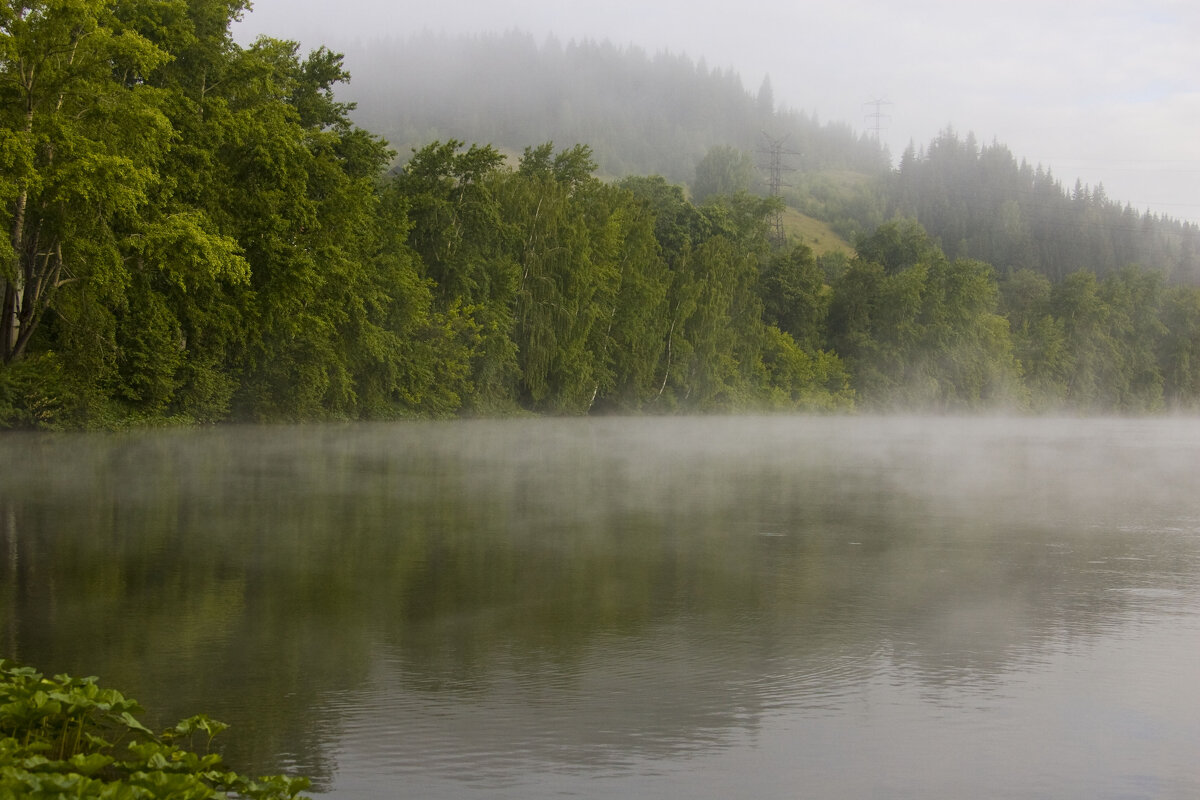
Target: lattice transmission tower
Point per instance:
(774, 152)
(876, 118)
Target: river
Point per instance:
(774, 607)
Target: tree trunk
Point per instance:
(14, 288)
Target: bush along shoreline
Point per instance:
(66, 737)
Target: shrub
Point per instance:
(66, 737)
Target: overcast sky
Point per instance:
(1104, 90)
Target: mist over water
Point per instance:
(705, 607)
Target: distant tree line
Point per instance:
(640, 113)
(982, 203)
(196, 231)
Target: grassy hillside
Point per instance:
(813, 232)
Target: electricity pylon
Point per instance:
(876, 117)
(775, 168)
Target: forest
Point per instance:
(199, 231)
(640, 113)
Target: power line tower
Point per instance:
(775, 167)
(876, 118)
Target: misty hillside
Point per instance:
(981, 202)
(662, 114)
(640, 113)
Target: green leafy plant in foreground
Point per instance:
(68, 737)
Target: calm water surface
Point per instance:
(616, 608)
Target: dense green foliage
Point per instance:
(65, 737)
(920, 330)
(197, 231)
(215, 239)
(192, 223)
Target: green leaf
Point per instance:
(89, 764)
(131, 722)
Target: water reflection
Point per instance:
(514, 607)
